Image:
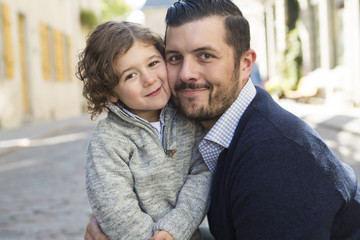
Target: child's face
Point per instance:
(143, 86)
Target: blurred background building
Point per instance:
(39, 40)
(314, 45)
(307, 49)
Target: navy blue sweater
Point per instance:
(279, 180)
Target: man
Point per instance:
(274, 178)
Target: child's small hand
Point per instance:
(161, 235)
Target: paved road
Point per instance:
(42, 188)
(42, 192)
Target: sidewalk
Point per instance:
(14, 138)
(336, 117)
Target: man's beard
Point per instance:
(217, 103)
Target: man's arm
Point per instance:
(93, 231)
(161, 235)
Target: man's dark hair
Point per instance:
(237, 29)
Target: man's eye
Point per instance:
(206, 56)
(174, 58)
(130, 76)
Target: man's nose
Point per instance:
(188, 71)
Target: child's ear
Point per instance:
(112, 99)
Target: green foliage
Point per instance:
(113, 9)
(290, 66)
(88, 18)
(293, 53)
(293, 59)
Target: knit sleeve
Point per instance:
(193, 199)
(110, 187)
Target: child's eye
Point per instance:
(130, 76)
(153, 63)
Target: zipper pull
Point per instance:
(170, 152)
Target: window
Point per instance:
(56, 54)
(68, 62)
(59, 56)
(47, 53)
(7, 55)
(23, 56)
(2, 55)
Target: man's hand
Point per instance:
(93, 231)
(161, 235)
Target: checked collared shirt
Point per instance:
(220, 135)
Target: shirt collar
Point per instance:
(223, 130)
(159, 131)
(161, 117)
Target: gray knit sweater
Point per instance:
(135, 186)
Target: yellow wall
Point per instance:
(8, 48)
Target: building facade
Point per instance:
(39, 43)
(154, 14)
(329, 31)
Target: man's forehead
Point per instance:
(207, 31)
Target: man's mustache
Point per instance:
(184, 85)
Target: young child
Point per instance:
(145, 177)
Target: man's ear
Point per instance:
(248, 60)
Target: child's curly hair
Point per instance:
(96, 67)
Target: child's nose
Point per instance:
(149, 78)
